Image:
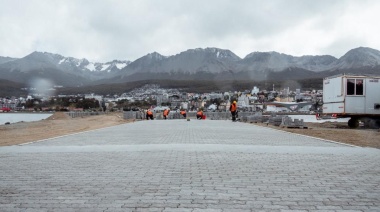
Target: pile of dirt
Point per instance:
(58, 116)
(56, 125)
(328, 124)
(338, 132)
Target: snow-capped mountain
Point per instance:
(85, 65)
(114, 65)
(200, 64)
(53, 65)
(45, 59)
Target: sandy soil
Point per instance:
(56, 125)
(61, 124)
(339, 132)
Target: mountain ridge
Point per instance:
(192, 64)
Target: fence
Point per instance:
(77, 114)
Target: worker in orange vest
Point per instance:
(166, 113)
(149, 115)
(233, 110)
(183, 113)
(200, 114)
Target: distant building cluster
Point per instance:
(284, 100)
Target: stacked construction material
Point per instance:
(289, 123)
(275, 120)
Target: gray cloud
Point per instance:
(106, 30)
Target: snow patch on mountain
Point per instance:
(104, 67)
(121, 65)
(90, 67)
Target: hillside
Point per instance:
(9, 88)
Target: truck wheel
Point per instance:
(371, 123)
(353, 123)
(374, 124)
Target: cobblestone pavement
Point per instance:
(176, 165)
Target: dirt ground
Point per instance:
(60, 124)
(56, 125)
(339, 132)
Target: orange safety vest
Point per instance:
(149, 112)
(200, 113)
(182, 112)
(233, 107)
(166, 112)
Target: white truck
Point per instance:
(354, 96)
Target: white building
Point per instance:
(255, 90)
(92, 96)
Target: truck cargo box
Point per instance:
(348, 95)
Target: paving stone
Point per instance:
(194, 166)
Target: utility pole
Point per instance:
(288, 94)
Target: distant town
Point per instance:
(154, 97)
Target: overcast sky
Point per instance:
(124, 29)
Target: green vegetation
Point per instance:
(63, 103)
(9, 88)
(133, 105)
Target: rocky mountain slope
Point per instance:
(218, 64)
(357, 58)
(6, 59)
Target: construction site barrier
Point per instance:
(191, 115)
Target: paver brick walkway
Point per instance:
(176, 165)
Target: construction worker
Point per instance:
(166, 113)
(183, 113)
(233, 110)
(200, 114)
(149, 115)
